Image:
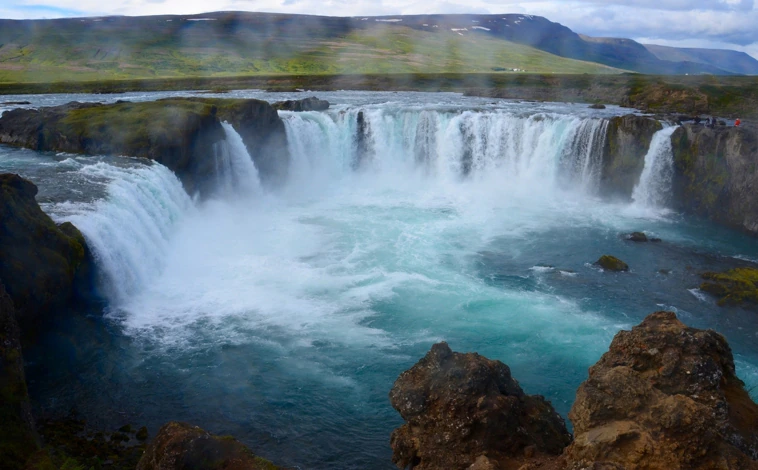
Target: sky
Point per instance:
(721, 24)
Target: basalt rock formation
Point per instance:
(465, 409)
(18, 438)
(44, 266)
(180, 446)
(664, 396)
(179, 133)
(716, 174)
(306, 104)
(626, 144)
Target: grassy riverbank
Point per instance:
(727, 97)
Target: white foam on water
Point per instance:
(130, 230)
(382, 210)
(700, 295)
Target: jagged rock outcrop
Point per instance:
(180, 446)
(664, 396)
(626, 144)
(305, 104)
(734, 287)
(18, 438)
(716, 174)
(179, 133)
(44, 266)
(465, 409)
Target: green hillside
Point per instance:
(174, 47)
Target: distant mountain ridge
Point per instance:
(245, 43)
(725, 59)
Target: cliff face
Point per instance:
(716, 174)
(44, 266)
(178, 133)
(626, 144)
(263, 133)
(18, 439)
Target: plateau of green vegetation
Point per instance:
(88, 54)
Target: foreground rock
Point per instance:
(611, 263)
(44, 266)
(306, 104)
(179, 133)
(18, 438)
(463, 409)
(180, 446)
(715, 174)
(734, 287)
(664, 396)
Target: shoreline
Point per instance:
(726, 97)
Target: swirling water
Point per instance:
(284, 317)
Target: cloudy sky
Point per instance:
(730, 24)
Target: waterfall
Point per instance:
(654, 186)
(546, 149)
(129, 231)
(235, 170)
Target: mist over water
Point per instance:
(284, 317)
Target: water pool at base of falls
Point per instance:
(284, 317)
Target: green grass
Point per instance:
(89, 54)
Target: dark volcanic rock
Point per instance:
(716, 175)
(18, 438)
(306, 104)
(464, 408)
(179, 133)
(597, 106)
(664, 396)
(611, 263)
(44, 266)
(626, 144)
(180, 446)
(637, 237)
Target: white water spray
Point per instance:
(235, 170)
(654, 187)
(130, 230)
(542, 149)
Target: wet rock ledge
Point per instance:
(665, 396)
(177, 132)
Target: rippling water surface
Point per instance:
(284, 317)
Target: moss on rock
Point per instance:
(44, 266)
(177, 132)
(180, 446)
(715, 174)
(18, 438)
(611, 263)
(734, 287)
